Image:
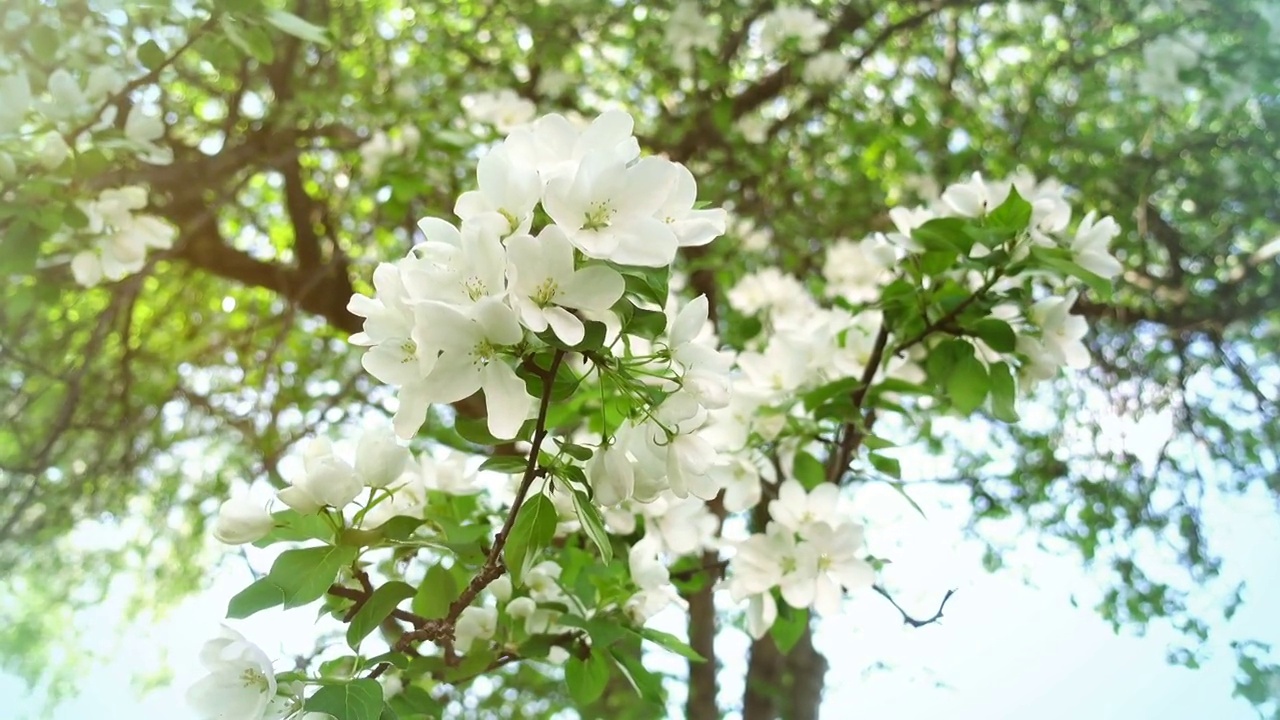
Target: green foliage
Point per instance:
(231, 347)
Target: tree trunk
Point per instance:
(701, 704)
(784, 687)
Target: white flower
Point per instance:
(103, 82)
(450, 475)
(970, 198)
(241, 520)
(144, 127)
(501, 588)
(66, 100)
(762, 611)
(688, 29)
(788, 22)
(508, 189)
(611, 470)
(504, 109)
(839, 565)
(785, 297)
(826, 68)
(1091, 245)
(475, 623)
(704, 371)
(1060, 344)
(380, 459)
(459, 267)
(408, 498)
(692, 227)
(326, 480)
(52, 150)
(240, 683)
(470, 348)
(545, 286)
(857, 270)
(555, 147)
(754, 128)
(15, 100)
(608, 210)
(798, 511)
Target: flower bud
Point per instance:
(241, 520)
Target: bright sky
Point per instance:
(1004, 650)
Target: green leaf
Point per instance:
(997, 334)
(670, 642)
(901, 490)
(581, 453)
(788, 628)
(586, 678)
(20, 248)
(436, 593)
(823, 393)
(400, 527)
(291, 24)
(376, 609)
(1059, 259)
(533, 530)
(1003, 393)
(593, 525)
(936, 262)
(887, 465)
(646, 323)
(356, 700)
(304, 575)
(968, 383)
(474, 430)
(647, 684)
(507, 464)
(1014, 213)
(262, 594)
(44, 42)
(944, 234)
(151, 55)
(808, 470)
(291, 525)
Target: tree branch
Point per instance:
(908, 619)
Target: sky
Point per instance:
(1004, 649)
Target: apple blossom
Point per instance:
(475, 623)
(240, 683)
(470, 348)
(609, 210)
(326, 481)
(241, 520)
(545, 287)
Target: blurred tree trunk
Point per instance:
(784, 687)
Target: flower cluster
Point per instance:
(503, 109)
(122, 234)
(808, 551)
(459, 312)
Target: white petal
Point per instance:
(507, 403)
(565, 324)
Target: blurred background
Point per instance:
(1117, 554)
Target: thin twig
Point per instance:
(908, 619)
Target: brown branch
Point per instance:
(442, 630)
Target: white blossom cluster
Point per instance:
(449, 318)
(688, 31)
(122, 236)
(503, 109)
(399, 483)
(68, 110)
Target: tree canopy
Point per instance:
(193, 192)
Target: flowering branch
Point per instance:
(442, 630)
